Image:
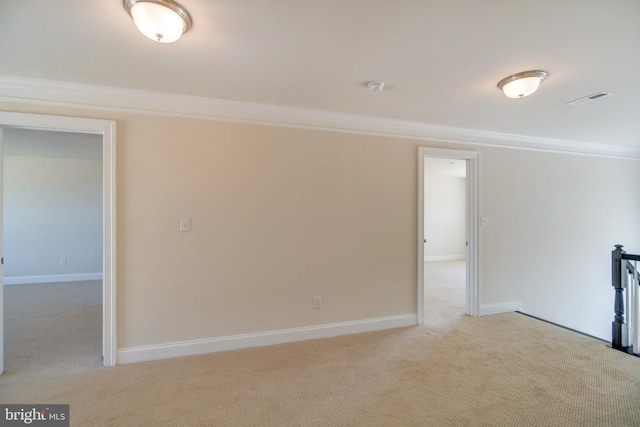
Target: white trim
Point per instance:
(444, 258)
(473, 238)
(106, 128)
(48, 92)
(472, 285)
(51, 278)
(235, 342)
(504, 307)
(421, 240)
(109, 342)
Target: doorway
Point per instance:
(437, 244)
(52, 242)
(445, 216)
(106, 130)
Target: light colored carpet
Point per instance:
(444, 293)
(502, 370)
(53, 328)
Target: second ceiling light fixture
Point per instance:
(161, 20)
(522, 84)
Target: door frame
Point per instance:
(472, 287)
(106, 128)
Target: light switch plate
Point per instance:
(185, 224)
(484, 221)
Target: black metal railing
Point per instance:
(619, 330)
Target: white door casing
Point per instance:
(106, 128)
(472, 290)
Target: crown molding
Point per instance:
(48, 92)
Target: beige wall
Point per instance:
(554, 221)
(280, 215)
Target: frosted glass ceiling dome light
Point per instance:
(522, 84)
(161, 20)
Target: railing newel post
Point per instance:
(618, 326)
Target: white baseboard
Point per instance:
(444, 257)
(504, 307)
(51, 278)
(235, 342)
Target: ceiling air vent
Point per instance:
(589, 98)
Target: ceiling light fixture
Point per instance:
(161, 20)
(522, 84)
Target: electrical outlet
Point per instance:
(317, 302)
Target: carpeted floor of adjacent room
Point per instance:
(501, 370)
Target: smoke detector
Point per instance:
(376, 87)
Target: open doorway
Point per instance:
(52, 241)
(106, 131)
(447, 235)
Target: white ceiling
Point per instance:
(440, 60)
